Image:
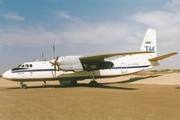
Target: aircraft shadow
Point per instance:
(177, 87)
(134, 79)
(101, 85)
(114, 87)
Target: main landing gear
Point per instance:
(73, 82)
(23, 86)
(93, 83)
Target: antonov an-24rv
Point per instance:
(70, 69)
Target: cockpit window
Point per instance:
(25, 65)
(19, 66)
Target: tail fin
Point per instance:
(149, 42)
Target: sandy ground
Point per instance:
(160, 79)
(126, 98)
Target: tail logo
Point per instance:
(148, 42)
(149, 48)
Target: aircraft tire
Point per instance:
(73, 82)
(24, 86)
(93, 83)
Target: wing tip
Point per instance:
(175, 53)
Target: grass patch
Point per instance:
(165, 70)
(0, 75)
(178, 70)
(154, 71)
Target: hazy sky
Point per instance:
(29, 28)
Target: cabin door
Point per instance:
(123, 68)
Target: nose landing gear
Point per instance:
(23, 86)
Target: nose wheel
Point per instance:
(23, 86)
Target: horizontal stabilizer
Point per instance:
(162, 56)
(103, 56)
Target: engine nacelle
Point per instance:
(73, 63)
(70, 63)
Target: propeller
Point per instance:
(54, 51)
(55, 61)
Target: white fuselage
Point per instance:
(73, 68)
(43, 70)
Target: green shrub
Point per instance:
(163, 70)
(154, 70)
(178, 70)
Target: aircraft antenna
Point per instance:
(42, 56)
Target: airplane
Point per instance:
(70, 69)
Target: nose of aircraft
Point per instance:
(7, 75)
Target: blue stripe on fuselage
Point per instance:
(33, 70)
(129, 67)
(43, 70)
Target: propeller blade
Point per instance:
(54, 51)
(57, 58)
(54, 61)
(57, 63)
(58, 67)
(55, 70)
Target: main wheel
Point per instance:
(93, 83)
(24, 86)
(73, 82)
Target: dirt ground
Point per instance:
(122, 98)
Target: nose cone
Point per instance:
(7, 75)
(56, 62)
(52, 62)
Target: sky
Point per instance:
(29, 28)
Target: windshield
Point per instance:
(24, 65)
(19, 66)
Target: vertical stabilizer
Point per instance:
(149, 42)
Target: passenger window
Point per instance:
(30, 65)
(27, 65)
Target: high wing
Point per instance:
(154, 61)
(162, 56)
(103, 56)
